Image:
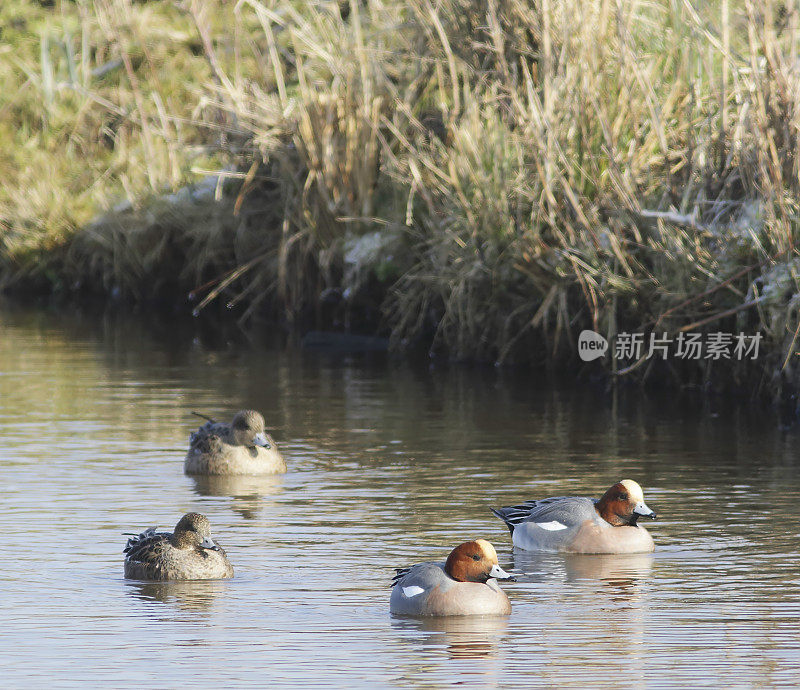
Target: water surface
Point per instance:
(390, 464)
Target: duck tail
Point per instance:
(501, 514)
(401, 573)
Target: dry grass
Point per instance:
(517, 170)
(96, 108)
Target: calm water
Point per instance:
(389, 465)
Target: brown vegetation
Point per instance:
(498, 175)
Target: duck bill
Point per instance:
(499, 574)
(261, 440)
(643, 511)
(208, 543)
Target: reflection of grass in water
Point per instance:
(60, 377)
(510, 154)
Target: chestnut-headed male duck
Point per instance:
(188, 553)
(464, 585)
(582, 525)
(241, 447)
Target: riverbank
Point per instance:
(484, 182)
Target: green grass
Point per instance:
(497, 175)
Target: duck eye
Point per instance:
(623, 497)
(475, 557)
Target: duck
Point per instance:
(571, 524)
(241, 447)
(188, 553)
(464, 585)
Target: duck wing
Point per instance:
(143, 547)
(422, 573)
(554, 509)
(208, 437)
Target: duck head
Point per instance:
(623, 504)
(474, 561)
(248, 429)
(193, 530)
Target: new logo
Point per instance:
(591, 345)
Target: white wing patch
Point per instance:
(412, 591)
(553, 526)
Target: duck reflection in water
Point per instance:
(464, 637)
(246, 491)
(599, 604)
(619, 574)
(197, 596)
